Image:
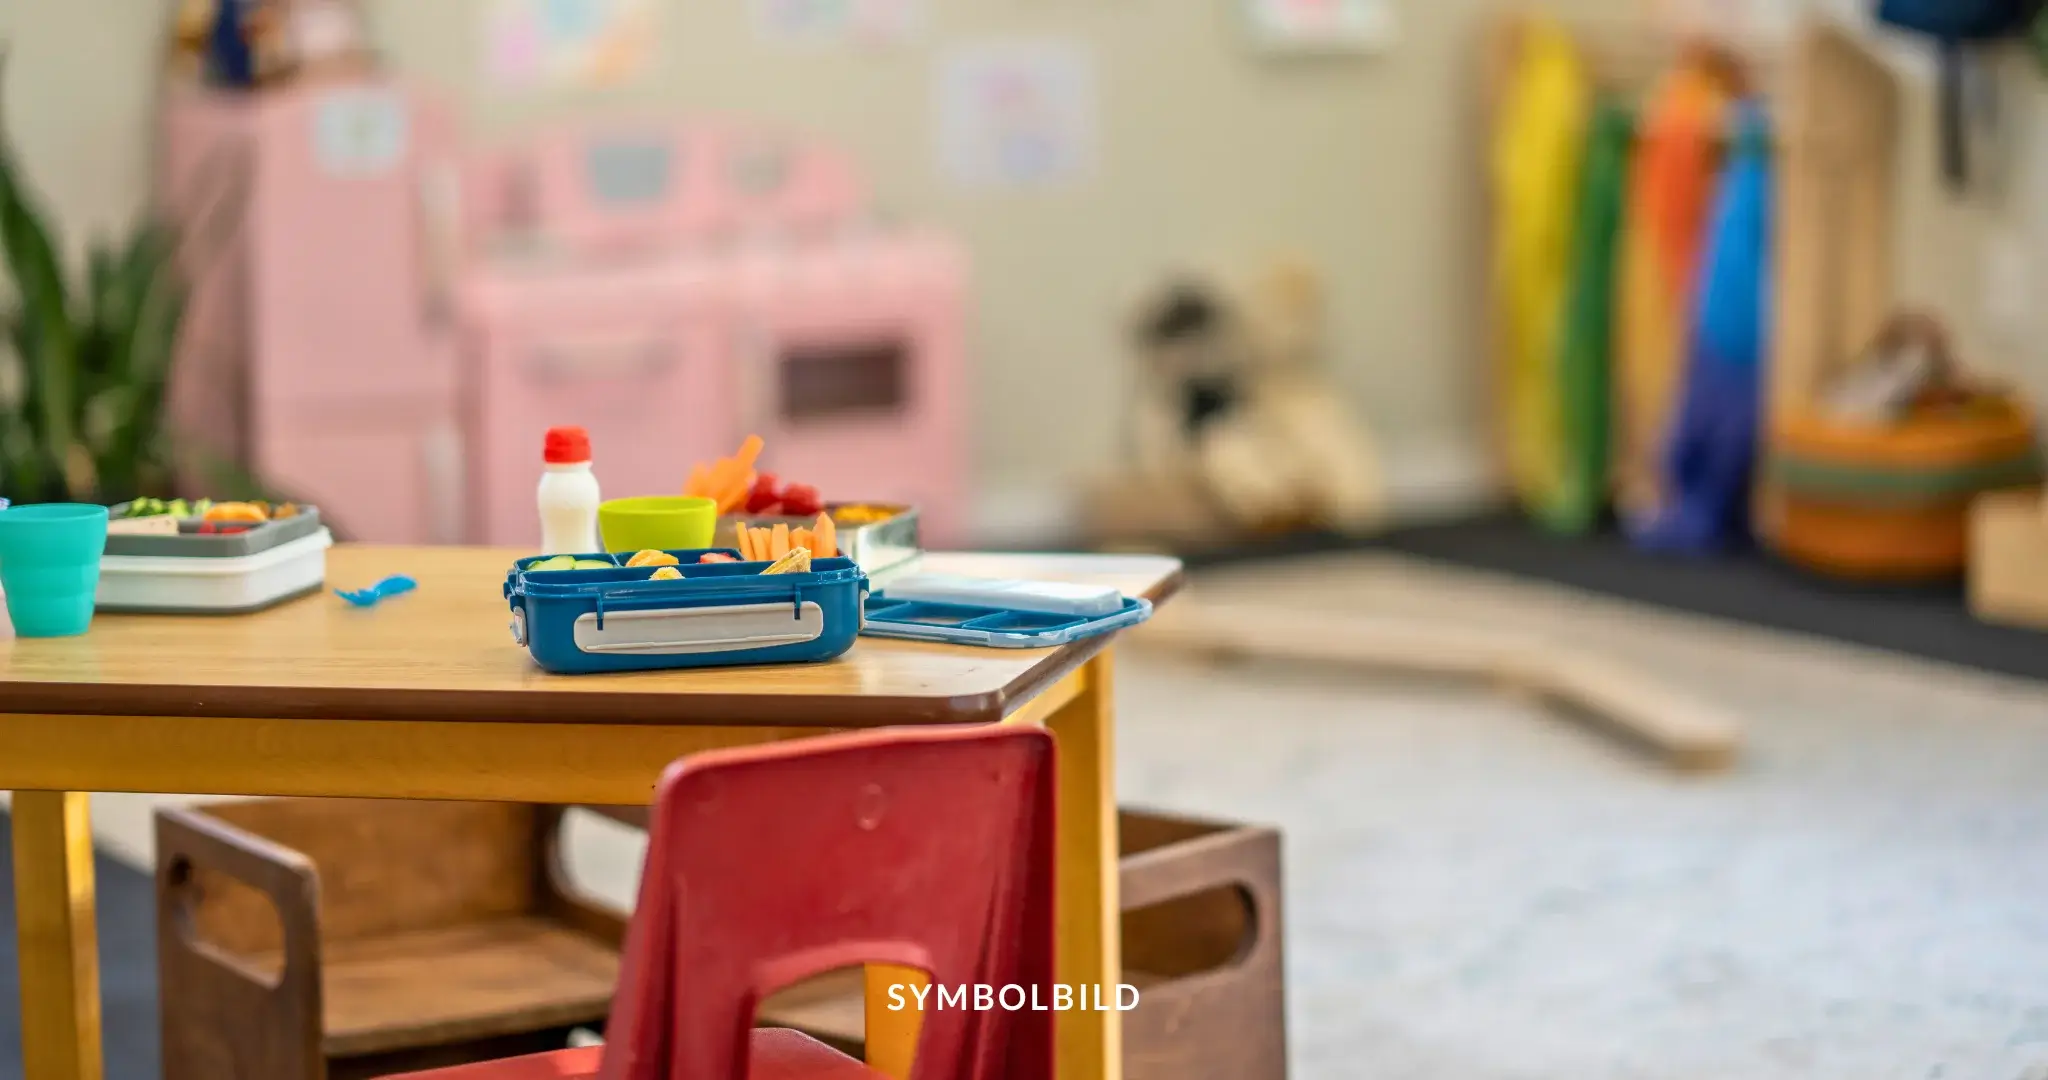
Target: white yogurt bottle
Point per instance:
(568, 495)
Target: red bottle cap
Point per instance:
(568, 446)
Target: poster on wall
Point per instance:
(568, 44)
(1016, 114)
(839, 22)
(1321, 25)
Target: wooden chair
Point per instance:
(925, 848)
(333, 939)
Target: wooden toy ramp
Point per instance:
(1684, 732)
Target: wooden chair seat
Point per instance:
(461, 983)
(335, 939)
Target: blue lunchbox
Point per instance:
(617, 618)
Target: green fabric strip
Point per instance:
(1893, 485)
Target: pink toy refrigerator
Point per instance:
(686, 285)
(636, 354)
(317, 353)
(850, 355)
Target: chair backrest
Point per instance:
(385, 866)
(927, 848)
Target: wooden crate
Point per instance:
(2009, 560)
(1202, 942)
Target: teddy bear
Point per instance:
(1235, 428)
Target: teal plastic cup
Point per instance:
(50, 566)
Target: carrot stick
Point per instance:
(750, 452)
(802, 538)
(736, 496)
(718, 479)
(827, 535)
(781, 542)
(698, 476)
(739, 529)
(764, 544)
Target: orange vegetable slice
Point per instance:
(240, 511)
(653, 558)
(779, 545)
(827, 535)
(750, 452)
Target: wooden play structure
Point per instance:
(1683, 732)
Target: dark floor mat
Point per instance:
(127, 926)
(1931, 621)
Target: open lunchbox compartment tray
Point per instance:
(191, 544)
(998, 628)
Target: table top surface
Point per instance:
(446, 653)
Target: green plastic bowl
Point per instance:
(657, 523)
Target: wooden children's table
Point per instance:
(427, 697)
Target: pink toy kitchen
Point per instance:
(402, 313)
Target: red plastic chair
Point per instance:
(925, 848)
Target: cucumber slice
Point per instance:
(595, 564)
(559, 562)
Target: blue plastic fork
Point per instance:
(383, 590)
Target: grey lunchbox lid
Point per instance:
(186, 545)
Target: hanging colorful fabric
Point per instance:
(1536, 164)
(1671, 187)
(1713, 449)
(1586, 349)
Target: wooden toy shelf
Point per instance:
(1835, 112)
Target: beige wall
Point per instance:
(1210, 152)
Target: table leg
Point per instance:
(1090, 920)
(59, 946)
(892, 1034)
(1089, 909)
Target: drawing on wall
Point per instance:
(568, 44)
(1016, 114)
(836, 22)
(1321, 24)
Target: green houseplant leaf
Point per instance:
(85, 363)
